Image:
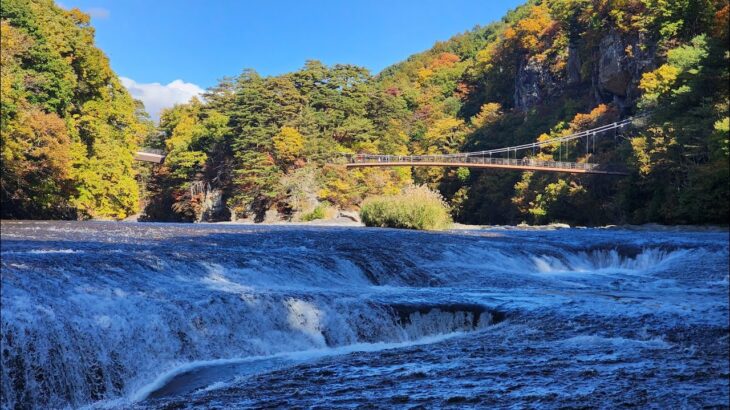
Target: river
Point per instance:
(150, 316)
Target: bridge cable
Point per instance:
(591, 133)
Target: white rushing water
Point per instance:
(109, 315)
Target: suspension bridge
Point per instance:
(499, 158)
(508, 157)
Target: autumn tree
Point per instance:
(69, 129)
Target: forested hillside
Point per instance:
(262, 147)
(69, 128)
(257, 146)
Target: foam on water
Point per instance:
(607, 260)
(590, 341)
(105, 313)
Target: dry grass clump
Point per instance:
(415, 208)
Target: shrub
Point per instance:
(415, 208)
(320, 212)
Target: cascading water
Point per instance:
(606, 259)
(118, 313)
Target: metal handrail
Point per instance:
(465, 159)
(485, 157)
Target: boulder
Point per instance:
(213, 207)
(272, 216)
(351, 215)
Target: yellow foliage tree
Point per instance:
(288, 144)
(445, 136)
(488, 114)
(529, 31)
(601, 112)
(658, 82)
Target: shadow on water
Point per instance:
(207, 375)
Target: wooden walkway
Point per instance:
(154, 157)
(525, 164)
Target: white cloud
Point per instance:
(156, 96)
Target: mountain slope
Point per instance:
(553, 67)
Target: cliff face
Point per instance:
(534, 85)
(621, 62)
(615, 68)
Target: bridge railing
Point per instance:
(457, 159)
(485, 157)
(153, 151)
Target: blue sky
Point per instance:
(181, 47)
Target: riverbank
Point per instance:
(346, 222)
(342, 221)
